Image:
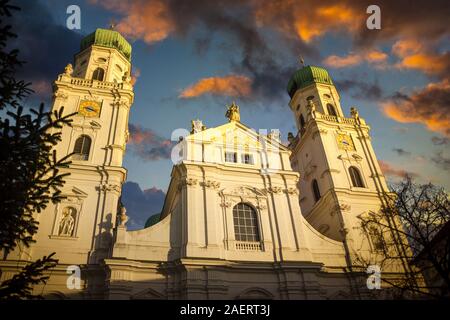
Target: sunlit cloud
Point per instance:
(429, 106)
(416, 55)
(353, 59)
(308, 20)
(147, 20)
(232, 85)
(428, 63)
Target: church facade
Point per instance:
(245, 216)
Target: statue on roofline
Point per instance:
(233, 113)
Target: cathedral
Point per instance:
(245, 215)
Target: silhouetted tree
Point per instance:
(412, 231)
(29, 169)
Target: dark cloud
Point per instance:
(439, 141)
(45, 46)
(234, 19)
(441, 161)
(424, 20)
(360, 89)
(246, 49)
(148, 145)
(401, 152)
(264, 38)
(141, 204)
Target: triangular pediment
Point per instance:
(236, 134)
(148, 294)
(75, 192)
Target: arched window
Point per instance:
(98, 74)
(82, 147)
(245, 223)
(355, 175)
(302, 122)
(331, 110)
(316, 191)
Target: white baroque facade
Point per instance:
(243, 217)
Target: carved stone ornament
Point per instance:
(261, 206)
(226, 204)
(60, 95)
(291, 191)
(211, 184)
(275, 190)
(189, 182)
(110, 187)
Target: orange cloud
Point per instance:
(376, 56)
(392, 171)
(428, 63)
(306, 19)
(343, 62)
(429, 106)
(232, 85)
(147, 20)
(415, 55)
(406, 47)
(373, 56)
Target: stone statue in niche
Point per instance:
(67, 222)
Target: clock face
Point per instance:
(345, 142)
(89, 108)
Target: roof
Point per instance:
(306, 76)
(107, 38)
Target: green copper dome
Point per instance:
(306, 76)
(107, 38)
(154, 219)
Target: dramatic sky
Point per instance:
(192, 58)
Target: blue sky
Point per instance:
(176, 45)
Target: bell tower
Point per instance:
(340, 178)
(98, 89)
